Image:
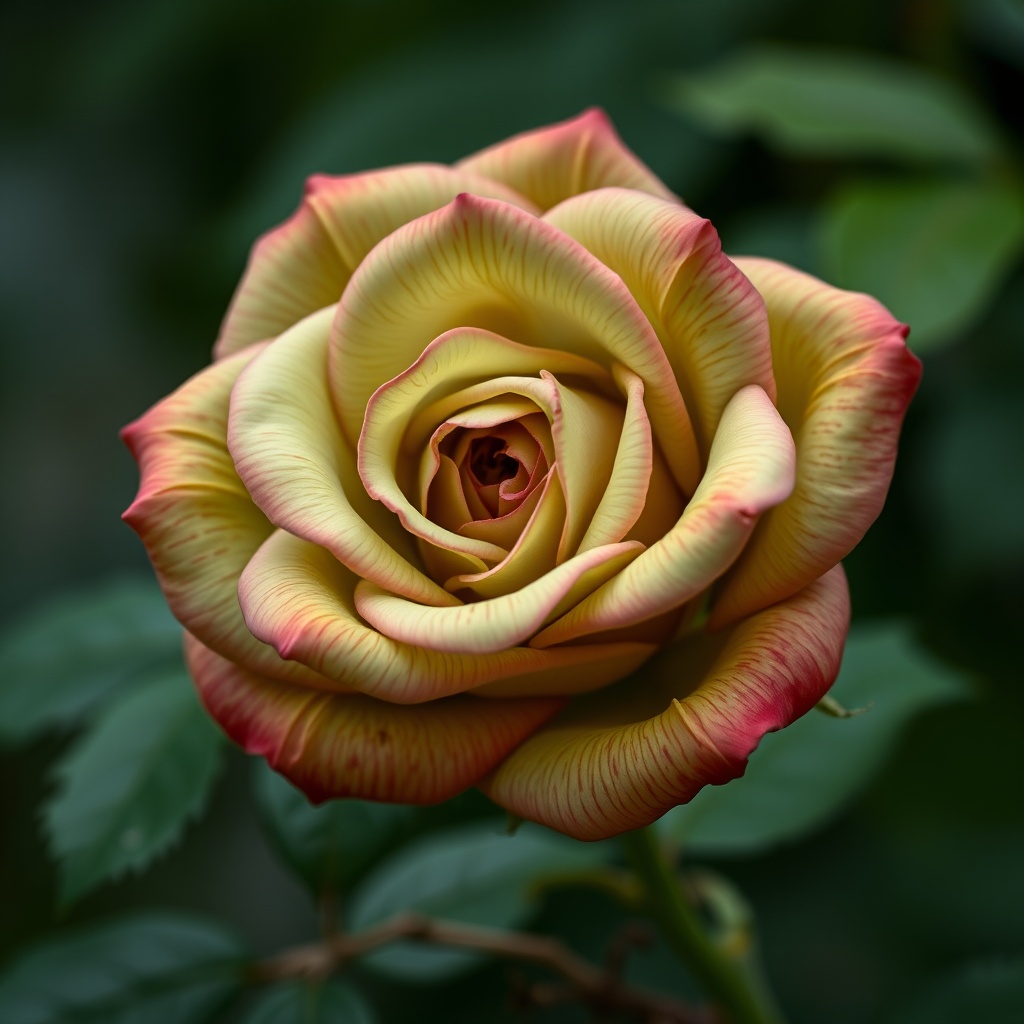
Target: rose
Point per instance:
(477, 443)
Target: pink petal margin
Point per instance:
(845, 378)
(618, 759)
(303, 264)
(561, 160)
(332, 745)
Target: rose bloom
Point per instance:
(478, 442)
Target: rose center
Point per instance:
(490, 462)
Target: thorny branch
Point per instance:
(603, 990)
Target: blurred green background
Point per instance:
(877, 144)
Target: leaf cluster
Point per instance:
(146, 757)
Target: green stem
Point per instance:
(721, 978)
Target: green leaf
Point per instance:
(129, 785)
(934, 252)
(992, 993)
(60, 660)
(333, 1002)
(476, 874)
(1000, 24)
(154, 967)
(330, 845)
(814, 102)
(973, 495)
(785, 233)
(804, 775)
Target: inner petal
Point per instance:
(450, 441)
(533, 553)
(486, 484)
(395, 432)
(584, 426)
(751, 469)
(506, 530)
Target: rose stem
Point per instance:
(722, 979)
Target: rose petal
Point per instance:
(499, 623)
(663, 505)
(353, 746)
(562, 160)
(750, 469)
(448, 492)
(298, 598)
(532, 554)
(304, 264)
(517, 447)
(446, 500)
(708, 316)
(196, 519)
(618, 759)
(300, 470)
(625, 494)
(507, 529)
(845, 378)
(487, 264)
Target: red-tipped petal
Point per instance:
(199, 525)
(618, 759)
(331, 745)
(709, 317)
(304, 264)
(562, 160)
(845, 378)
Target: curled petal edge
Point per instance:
(332, 745)
(552, 163)
(303, 264)
(618, 759)
(845, 378)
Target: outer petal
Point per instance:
(301, 471)
(296, 597)
(199, 525)
(304, 264)
(845, 378)
(708, 316)
(353, 746)
(750, 469)
(618, 759)
(483, 263)
(551, 164)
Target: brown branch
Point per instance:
(589, 984)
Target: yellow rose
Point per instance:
(477, 443)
